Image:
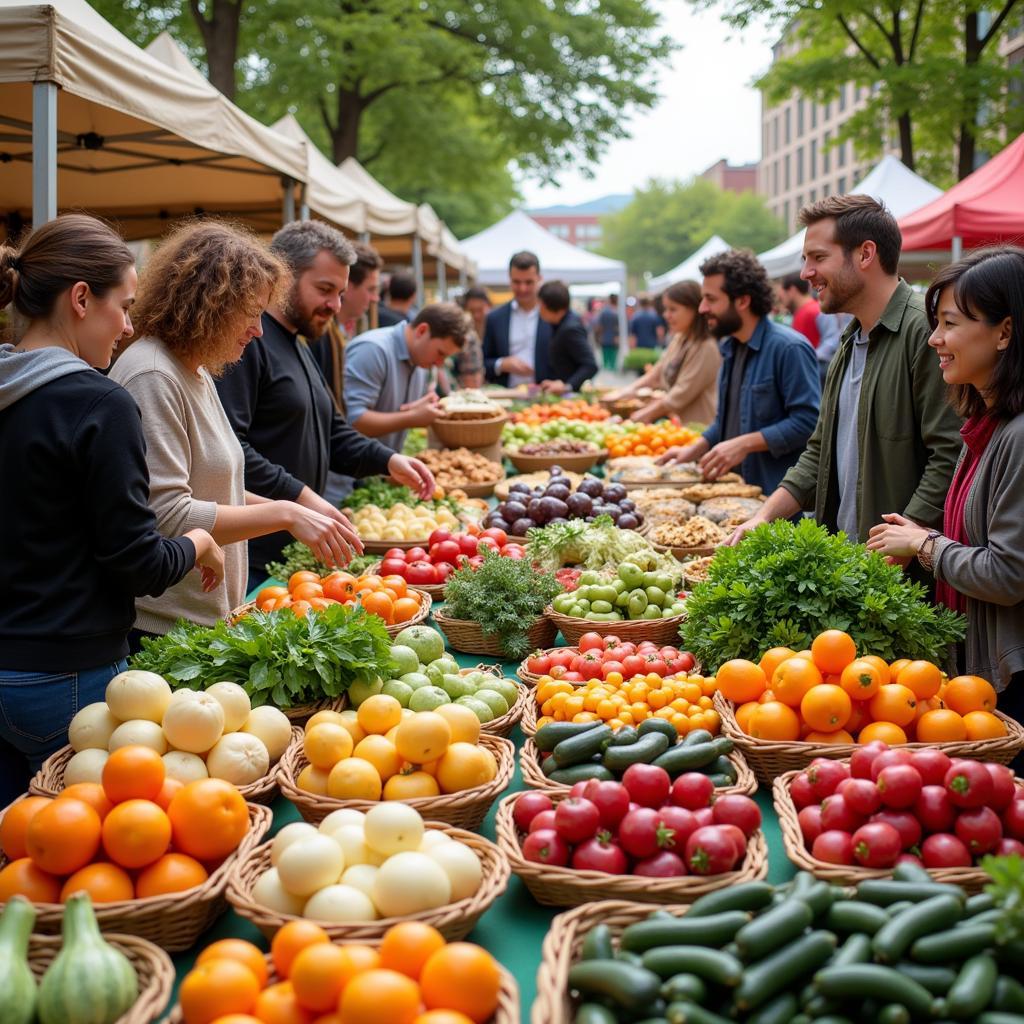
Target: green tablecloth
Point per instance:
(514, 927)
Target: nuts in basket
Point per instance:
(456, 467)
(702, 492)
(698, 569)
(469, 405)
(696, 532)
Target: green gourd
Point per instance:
(17, 985)
(89, 981)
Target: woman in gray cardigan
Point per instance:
(976, 308)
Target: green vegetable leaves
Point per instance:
(784, 584)
(376, 490)
(1007, 887)
(276, 657)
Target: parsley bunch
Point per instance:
(784, 584)
(504, 595)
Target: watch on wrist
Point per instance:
(926, 551)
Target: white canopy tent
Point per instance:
(88, 120)
(890, 181)
(559, 260)
(689, 269)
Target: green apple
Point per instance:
(479, 679)
(399, 690)
(457, 686)
(416, 680)
(478, 707)
(405, 660)
(506, 688)
(424, 641)
(494, 700)
(363, 688)
(427, 698)
(436, 670)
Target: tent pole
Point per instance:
(442, 280)
(44, 152)
(288, 203)
(364, 237)
(417, 267)
(623, 322)
(957, 247)
(303, 203)
(462, 277)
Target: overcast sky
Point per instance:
(708, 110)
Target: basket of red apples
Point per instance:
(645, 838)
(846, 821)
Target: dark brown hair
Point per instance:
(743, 275)
(988, 284)
(524, 260)
(554, 295)
(402, 286)
(367, 260)
(205, 276)
(797, 282)
(687, 293)
(859, 219)
(56, 256)
(445, 320)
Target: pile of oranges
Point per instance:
(138, 834)
(830, 695)
(388, 597)
(415, 977)
(649, 439)
(567, 409)
(683, 700)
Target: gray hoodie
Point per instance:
(21, 373)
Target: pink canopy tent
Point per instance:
(987, 206)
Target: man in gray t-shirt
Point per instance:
(847, 444)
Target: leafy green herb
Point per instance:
(1007, 888)
(277, 657)
(784, 584)
(504, 595)
(376, 490)
(415, 441)
(296, 557)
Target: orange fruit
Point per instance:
(887, 732)
(964, 694)
(861, 679)
(167, 791)
(237, 1018)
(379, 713)
(353, 779)
(317, 978)
(208, 819)
(941, 726)
(983, 725)
(773, 658)
(268, 595)
(91, 793)
(378, 603)
(215, 988)
(860, 716)
(410, 786)
(881, 664)
(173, 872)
(897, 667)
(105, 883)
(464, 766)
(277, 1004)
(405, 608)
(379, 995)
(442, 1017)
(64, 836)
(15, 824)
(237, 949)
(406, 947)
(922, 677)
(396, 583)
(339, 585)
(775, 721)
(326, 744)
(22, 877)
(793, 678)
(136, 833)
(462, 977)
(839, 736)
(291, 940)
(743, 713)
(307, 591)
(422, 737)
(826, 708)
(893, 703)
(833, 650)
(741, 681)
(379, 752)
(133, 773)
(303, 576)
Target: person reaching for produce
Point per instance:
(80, 540)
(976, 309)
(200, 299)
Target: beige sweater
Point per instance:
(195, 464)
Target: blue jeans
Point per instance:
(36, 709)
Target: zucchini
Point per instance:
(819, 1006)
(549, 736)
(685, 987)
(851, 916)
(713, 965)
(773, 928)
(624, 736)
(1009, 995)
(691, 1013)
(594, 1013)
(577, 749)
(894, 909)
(752, 896)
(581, 773)
(974, 987)
(597, 944)
(955, 945)
(629, 987)
(854, 980)
(855, 950)
(682, 931)
(938, 980)
(644, 751)
(687, 759)
(832, 1018)
(783, 969)
(779, 1010)
(897, 935)
(985, 916)
(696, 736)
(884, 891)
(652, 724)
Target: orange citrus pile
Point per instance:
(575, 409)
(649, 439)
(388, 597)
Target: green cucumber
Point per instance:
(938, 980)
(581, 773)
(720, 781)
(974, 987)
(832, 1018)
(644, 751)
(695, 736)
(897, 908)
(549, 736)
(1009, 995)
(594, 1013)
(577, 749)
(722, 765)
(685, 987)
(894, 1013)
(854, 980)
(818, 1006)
(855, 950)
(851, 916)
(955, 945)
(910, 872)
(884, 891)
(984, 917)
(783, 969)
(752, 896)
(629, 958)
(652, 724)
(710, 964)
(819, 897)
(683, 931)
(691, 1013)
(779, 1010)
(687, 759)
(626, 735)
(597, 944)
(630, 987)
(997, 1017)
(773, 928)
(897, 935)
(979, 903)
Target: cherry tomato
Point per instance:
(934, 809)
(861, 795)
(876, 845)
(693, 790)
(945, 851)
(597, 854)
(969, 784)
(611, 800)
(932, 764)
(576, 819)
(888, 757)
(741, 811)
(905, 824)
(833, 847)
(836, 813)
(863, 757)
(739, 840)
(664, 864)
(1013, 819)
(1003, 787)
(546, 846)
(810, 823)
(979, 829)
(900, 785)
(800, 791)
(640, 832)
(527, 806)
(682, 822)
(710, 851)
(647, 784)
(825, 775)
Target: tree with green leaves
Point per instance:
(666, 221)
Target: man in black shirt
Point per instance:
(280, 406)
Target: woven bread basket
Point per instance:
(454, 921)
(557, 886)
(659, 631)
(465, 809)
(578, 463)
(173, 921)
(467, 636)
(469, 433)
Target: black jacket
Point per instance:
(79, 540)
(277, 401)
(570, 353)
(496, 331)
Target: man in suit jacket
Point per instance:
(570, 354)
(515, 337)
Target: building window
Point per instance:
(788, 120)
(799, 204)
(824, 191)
(842, 97)
(800, 165)
(826, 153)
(785, 176)
(775, 178)
(799, 117)
(814, 115)
(841, 155)
(775, 133)
(812, 171)
(813, 196)
(841, 186)
(828, 110)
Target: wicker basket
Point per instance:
(152, 965)
(534, 777)
(771, 758)
(556, 886)
(175, 921)
(453, 433)
(302, 713)
(463, 810)
(421, 616)
(504, 724)
(454, 921)
(659, 631)
(480, 490)
(562, 946)
(49, 780)
(577, 463)
(466, 635)
(682, 553)
(380, 547)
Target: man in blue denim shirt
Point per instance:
(768, 387)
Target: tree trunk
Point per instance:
(220, 37)
(967, 147)
(906, 139)
(345, 131)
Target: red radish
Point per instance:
(1003, 787)
(979, 829)
(738, 810)
(833, 847)
(945, 851)
(899, 784)
(932, 764)
(810, 823)
(692, 790)
(825, 775)
(801, 792)
(905, 824)
(969, 784)
(836, 813)
(934, 809)
(527, 806)
(664, 864)
(863, 757)
(577, 819)
(545, 819)
(861, 795)
(876, 845)
(710, 851)
(600, 854)
(887, 758)
(546, 846)
(1013, 819)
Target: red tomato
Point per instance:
(639, 832)
(546, 846)
(910, 858)
(837, 813)
(437, 536)
(632, 665)
(888, 757)
(739, 840)
(905, 823)
(545, 819)
(611, 800)
(861, 795)
(393, 567)
(710, 851)
(741, 811)
(611, 640)
(647, 784)
(618, 652)
(705, 816)
(417, 555)
(824, 776)
(682, 823)
(598, 854)
(468, 545)
(447, 551)
(900, 785)
(833, 847)
(499, 536)
(517, 554)
(876, 845)
(693, 790)
(476, 561)
(654, 663)
(664, 864)
(862, 758)
(1013, 819)
(979, 829)
(538, 663)
(932, 764)
(574, 677)
(421, 571)
(591, 642)
(969, 784)
(945, 851)
(810, 823)
(488, 544)
(562, 657)
(683, 662)
(1009, 847)
(1003, 787)
(443, 571)
(576, 819)
(588, 663)
(527, 806)
(801, 792)
(396, 553)
(608, 667)
(934, 809)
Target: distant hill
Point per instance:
(601, 206)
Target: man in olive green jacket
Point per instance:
(886, 438)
